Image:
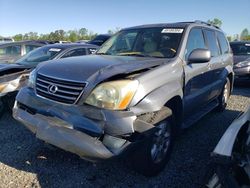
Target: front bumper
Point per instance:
(79, 129)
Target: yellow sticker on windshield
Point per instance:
(172, 30)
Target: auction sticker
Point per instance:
(172, 30)
(54, 49)
(247, 44)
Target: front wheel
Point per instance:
(224, 96)
(152, 157)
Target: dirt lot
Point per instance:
(28, 162)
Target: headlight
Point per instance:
(115, 95)
(32, 79)
(243, 64)
(2, 87)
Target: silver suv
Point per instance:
(142, 86)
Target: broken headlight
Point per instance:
(32, 79)
(114, 95)
(242, 64)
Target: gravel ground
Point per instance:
(28, 162)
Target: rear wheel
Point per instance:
(152, 157)
(224, 96)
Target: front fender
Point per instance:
(226, 143)
(158, 98)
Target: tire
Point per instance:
(219, 176)
(152, 156)
(224, 96)
(9, 101)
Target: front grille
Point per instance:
(58, 90)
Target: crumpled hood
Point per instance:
(6, 68)
(239, 58)
(87, 68)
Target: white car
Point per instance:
(231, 157)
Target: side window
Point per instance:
(91, 50)
(223, 43)
(75, 52)
(11, 50)
(212, 43)
(195, 40)
(29, 48)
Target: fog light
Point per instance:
(113, 142)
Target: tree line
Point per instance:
(85, 34)
(61, 35)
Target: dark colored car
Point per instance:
(241, 52)
(99, 39)
(13, 76)
(12, 51)
(131, 97)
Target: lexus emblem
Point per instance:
(52, 89)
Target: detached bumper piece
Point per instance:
(61, 134)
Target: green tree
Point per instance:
(229, 38)
(215, 21)
(244, 33)
(246, 38)
(83, 32)
(73, 35)
(18, 37)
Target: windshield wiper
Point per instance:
(101, 53)
(140, 55)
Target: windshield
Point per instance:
(39, 55)
(145, 42)
(241, 49)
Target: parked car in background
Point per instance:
(10, 52)
(6, 39)
(230, 166)
(13, 76)
(131, 97)
(241, 52)
(99, 39)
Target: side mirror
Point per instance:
(199, 55)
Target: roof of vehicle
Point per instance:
(70, 45)
(239, 42)
(174, 25)
(22, 42)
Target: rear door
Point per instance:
(216, 64)
(197, 75)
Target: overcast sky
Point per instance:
(44, 16)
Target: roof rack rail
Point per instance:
(206, 23)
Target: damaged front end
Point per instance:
(92, 133)
(12, 79)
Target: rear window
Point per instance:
(38, 55)
(75, 52)
(212, 43)
(223, 43)
(240, 48)
(29, 48)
